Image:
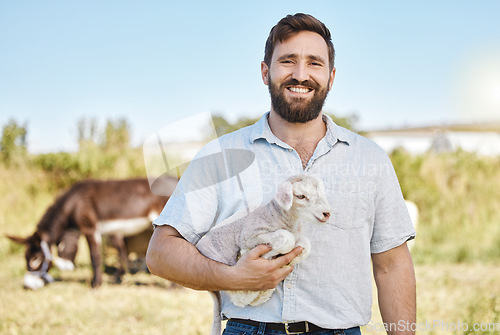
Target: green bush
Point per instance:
(458, 196)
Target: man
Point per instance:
(331, 290)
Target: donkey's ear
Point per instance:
(284, 196)
(18, 239)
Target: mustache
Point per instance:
(306, 83)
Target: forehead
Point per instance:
(304, 43)
(306, 185)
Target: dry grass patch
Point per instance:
(144, 304)
(450, 295)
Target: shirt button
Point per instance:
(290, 149)
(288, 286)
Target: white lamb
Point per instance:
(299, 200)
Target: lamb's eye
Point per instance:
(300, 196)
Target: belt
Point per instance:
(287, 327)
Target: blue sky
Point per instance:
(154, 62)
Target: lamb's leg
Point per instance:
(216, 322)
(243, 298)
(306, 245)
(282, 242)
(262, 297)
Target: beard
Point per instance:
(297, 110)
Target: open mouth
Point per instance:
(299, 90)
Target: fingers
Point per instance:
(259, 273)
(258, 251)
(287, 258)
(280, 261)
(283, 263)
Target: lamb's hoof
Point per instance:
(263, 297)
(284, 242)
(243, 298)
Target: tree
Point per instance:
(116, 135)
(87, 132)
(348, 121)
(13, 142)
(222, 126)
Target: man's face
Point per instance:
(298, 77)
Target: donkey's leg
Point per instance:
(95, 244)
(118, 242)
(87, 221)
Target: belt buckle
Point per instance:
(294, 333)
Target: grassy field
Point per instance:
(143, 304)
(457, 256)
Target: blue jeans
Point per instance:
(234, 328)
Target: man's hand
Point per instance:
(255, 273)
(171, 257)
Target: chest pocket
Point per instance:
(350, 210)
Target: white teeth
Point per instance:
(299, 89)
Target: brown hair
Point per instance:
(293, 24)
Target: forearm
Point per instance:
(172, 257)
(397, 293)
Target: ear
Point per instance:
(284, 196)
(332, 77)
(264, 70)
(20, 240)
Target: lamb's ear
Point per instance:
(284, 196)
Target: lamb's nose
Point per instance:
(326, 215)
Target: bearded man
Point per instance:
(330, 292)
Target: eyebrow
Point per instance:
(295, 56)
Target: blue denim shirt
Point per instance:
(332, 287)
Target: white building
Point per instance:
(485, 143)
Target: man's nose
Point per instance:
(300, 72)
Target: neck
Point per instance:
(286, 218)
(296, 134)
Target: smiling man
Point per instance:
(303, 77)
(330, 291)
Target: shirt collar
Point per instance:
(333, 135)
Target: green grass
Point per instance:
(458, 197)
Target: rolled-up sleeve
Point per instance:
(392, 226)
(192, 208)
